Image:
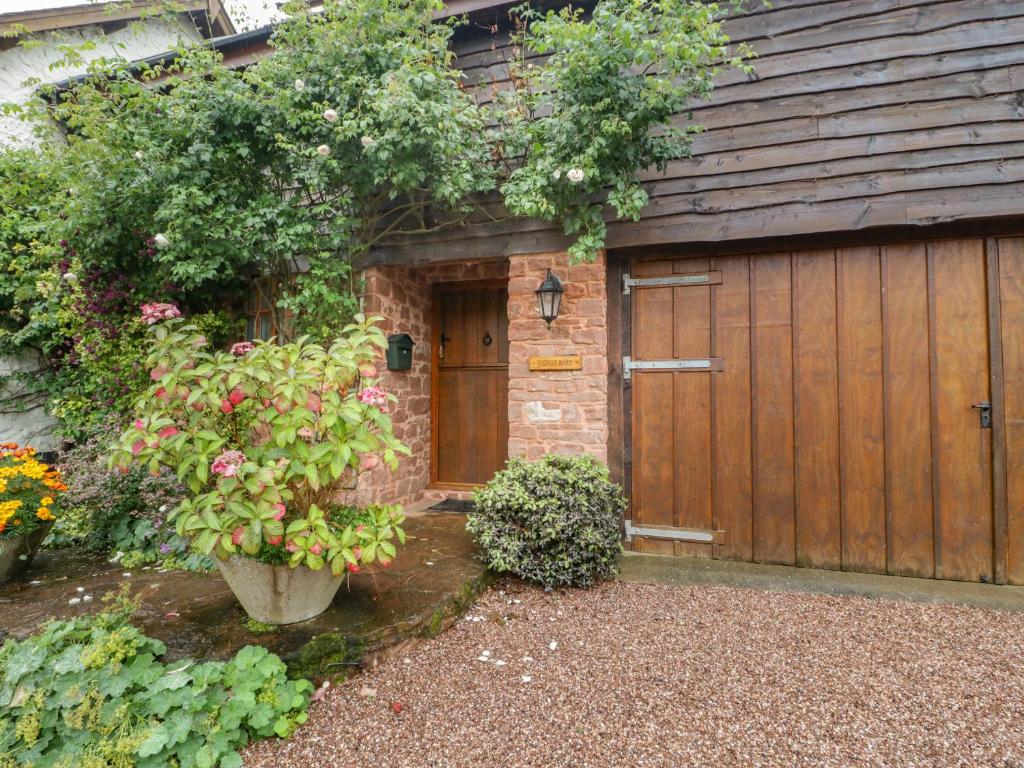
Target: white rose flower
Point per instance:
(161, 240)
(556, 175)
(323, 150)
(299, 85)
(330, 115)
(368, 141)
(575, 175)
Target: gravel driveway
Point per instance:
(642, 675)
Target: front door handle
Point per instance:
(985, 409)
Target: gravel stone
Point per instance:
(650, 675)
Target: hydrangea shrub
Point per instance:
(265, 438)
(555, 521)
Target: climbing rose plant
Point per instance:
(266, 437)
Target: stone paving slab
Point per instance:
(434, 577)
(667, 569)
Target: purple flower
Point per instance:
(165, 549)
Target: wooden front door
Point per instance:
(828, 414)
(471, 383)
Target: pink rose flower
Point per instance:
(242, 348)
(227, 463)
(154, 313)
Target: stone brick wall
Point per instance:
(402, 296)
(562, 412)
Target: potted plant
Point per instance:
(267, 438)
(28, 493)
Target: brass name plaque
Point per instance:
(557, 363)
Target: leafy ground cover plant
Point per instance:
(555, 521)
(28, 491)
(92, 692)
(265, 438)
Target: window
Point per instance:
(259, 311)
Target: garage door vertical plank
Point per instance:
(691, 332)
(963, 459)
(653, 410)
(732, 407)
(818, 543)
(860, 413)
(774, 512)
(908, 468)
(1011, 297)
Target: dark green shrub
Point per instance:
(555, 521)
(92, 692)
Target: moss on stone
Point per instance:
(328, 655)
(258, 627)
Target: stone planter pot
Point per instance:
(277, 594)
(16, 552)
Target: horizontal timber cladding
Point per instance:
(843, 430)
(860, 113)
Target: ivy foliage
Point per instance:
(92, 692)
(554, 521)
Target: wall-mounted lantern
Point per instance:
(399, 355)
(549, 297)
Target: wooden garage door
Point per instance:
(826, 414)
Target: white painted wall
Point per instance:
(19, 64)
(34, 426)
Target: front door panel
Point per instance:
(471, 375)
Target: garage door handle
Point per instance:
(985, 407)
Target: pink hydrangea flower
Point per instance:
(154, 313)
(242, 348)
(227, 463)
(374, 395)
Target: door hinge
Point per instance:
(715, 364)
(672, 533)
(701, 278)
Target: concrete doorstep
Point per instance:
(668, 569)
